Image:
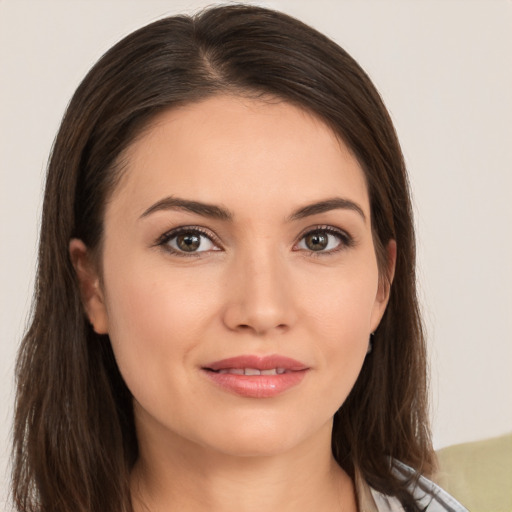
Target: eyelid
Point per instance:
(163, 239)
(346, 240)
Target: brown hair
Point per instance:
(74, 435)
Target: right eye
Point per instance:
(188, 241)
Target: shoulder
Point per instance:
(429, 496)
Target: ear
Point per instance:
(90, 285)
(385, 281)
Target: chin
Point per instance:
(266, 438)
(255, 445)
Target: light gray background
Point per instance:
(444, 70)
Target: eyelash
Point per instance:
(164, 240)
(345, 240)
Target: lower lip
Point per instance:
(257, 386)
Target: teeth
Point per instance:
(235, 371)
(252, 371)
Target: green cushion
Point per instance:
(479, 474)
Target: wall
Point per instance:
(443, 68)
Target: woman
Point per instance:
(226, 314)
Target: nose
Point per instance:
(259, 296)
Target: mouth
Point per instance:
(249, 371)
(256, 376)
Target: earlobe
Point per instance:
(90, 285)
(382, 298)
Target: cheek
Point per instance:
(149, 299)
(340, 302)
(156, 318)
(338, 316)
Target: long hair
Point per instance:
(74, 436)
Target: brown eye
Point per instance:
(316, 241)
(188, 242)
(324, 240)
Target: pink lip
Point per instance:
(257, 386)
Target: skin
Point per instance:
(253, 287)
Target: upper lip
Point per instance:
(257, 362)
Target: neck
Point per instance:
(181, 475)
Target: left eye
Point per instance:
(189, 242)
(321, 241)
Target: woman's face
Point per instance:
(239, 279)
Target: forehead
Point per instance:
(241, 152)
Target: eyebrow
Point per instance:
(176, 203)
(335, 203)
(221, 213)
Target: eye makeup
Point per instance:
(188, 241)
(324, 240)
(195, 241)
